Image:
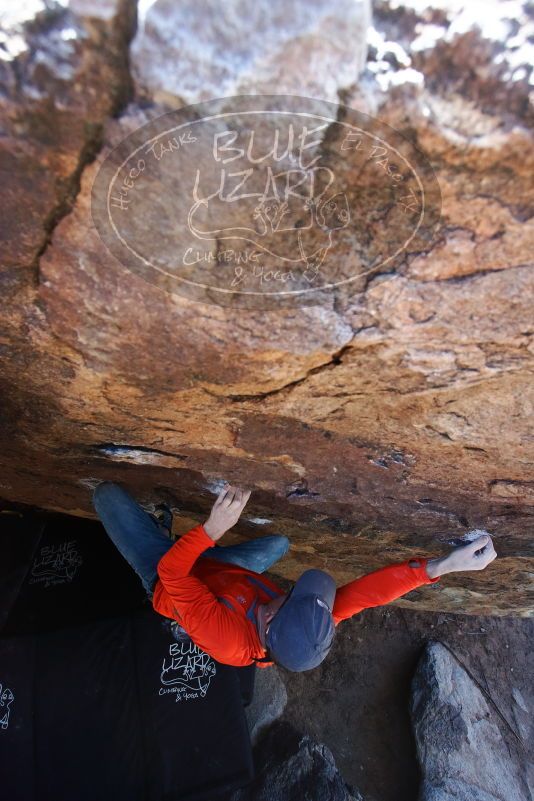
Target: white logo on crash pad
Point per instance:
(6, 699)
(56, 564)
(186, 671)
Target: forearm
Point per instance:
(438, 567)
(181, 557)
(380, 587)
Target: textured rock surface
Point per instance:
(296, 767)
(460, 747)
(63, 71)
(381, 425)
(268, 703)
(357, 701)
(307, 48)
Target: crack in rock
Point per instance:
(121, 93)
(335, 360)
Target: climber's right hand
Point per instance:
(475, 555)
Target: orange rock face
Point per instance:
(381, 424)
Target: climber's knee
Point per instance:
(105, 492)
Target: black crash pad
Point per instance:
(107, 706)
(64, 570)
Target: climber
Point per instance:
(231, 611)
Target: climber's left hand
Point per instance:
(226, 511)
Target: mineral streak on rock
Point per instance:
(380, 425)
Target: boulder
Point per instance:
(312, 49)
(290, 766)
(379, 425)
(461, 749)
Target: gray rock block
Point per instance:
(191, 51)
(297, 769)
(462, 753)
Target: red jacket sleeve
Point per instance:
(380, 587)
(209, 623)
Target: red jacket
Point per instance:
(216, 603)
